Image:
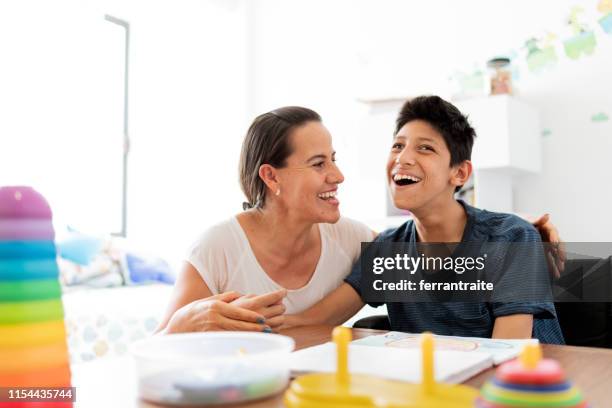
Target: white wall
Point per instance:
(327, 54)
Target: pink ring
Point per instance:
(25, 229)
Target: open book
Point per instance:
(391, 363)
(397, 356)
(500, 350)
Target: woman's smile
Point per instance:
(330, 197)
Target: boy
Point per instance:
(429, 161)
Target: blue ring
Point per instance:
(19, 269)
(27, 250)
(564, 386)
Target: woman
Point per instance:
(291, 243)
(291, 247)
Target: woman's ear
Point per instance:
(462, 173)
(269, 176)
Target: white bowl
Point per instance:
(211, 368)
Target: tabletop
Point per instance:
(113, 382)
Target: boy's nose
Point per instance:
(405, 158)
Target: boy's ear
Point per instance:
(461, 173)
(269, 176)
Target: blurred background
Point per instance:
(157, 171)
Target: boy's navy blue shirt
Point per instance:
(471, 319)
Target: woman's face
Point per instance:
(309, 182)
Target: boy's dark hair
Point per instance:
(267, 142)
(445, 118)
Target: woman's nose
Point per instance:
(336, 176)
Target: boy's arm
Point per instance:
(518, 326)
(336, 308)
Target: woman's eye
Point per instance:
(320, 164)
(425, 147)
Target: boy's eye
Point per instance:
(397, 146)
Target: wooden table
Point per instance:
(113, 383)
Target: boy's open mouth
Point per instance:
(405, 180)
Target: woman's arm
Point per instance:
(193, 308)
(553, 245)
(336, 308)
(189, 286)
(518, 326)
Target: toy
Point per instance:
(343, 389)
(530, 381)
(33, 347)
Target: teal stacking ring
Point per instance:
(19, 291)
(22, 269)
(27, 250)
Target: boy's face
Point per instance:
(418, 171)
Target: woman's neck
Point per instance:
(281, 233)
(443, 222)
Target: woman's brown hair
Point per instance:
(267, 142)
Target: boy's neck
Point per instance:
(443, 222)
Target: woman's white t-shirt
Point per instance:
(226, 262)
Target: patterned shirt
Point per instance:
(471, 319)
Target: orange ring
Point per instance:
(20, 360)
(58, 376)
(32, 334)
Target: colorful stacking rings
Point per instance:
(33, 351)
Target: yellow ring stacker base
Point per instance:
(343, 390)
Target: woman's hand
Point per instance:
(554, 247)
(216, 313)
(269, 305)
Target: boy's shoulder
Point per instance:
(499, 227)
(484, 225)
(403, 233)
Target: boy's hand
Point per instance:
(270, 305)
(555, 248)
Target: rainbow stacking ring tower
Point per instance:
(33, 351)
(343, 389)
(530, 381)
